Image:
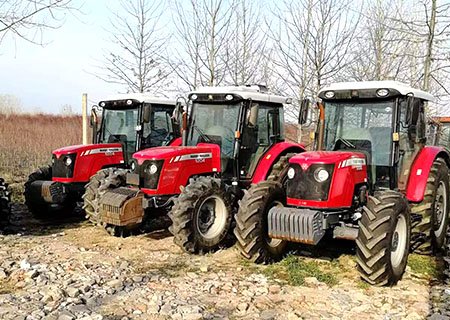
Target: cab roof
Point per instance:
(402, 88)
(254, 92)
(141, 97)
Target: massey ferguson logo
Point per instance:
(304, 166)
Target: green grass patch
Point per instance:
(363, 285)
(294, 270)
(423, 265)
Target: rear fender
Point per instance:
(420, 171)
(271, 157)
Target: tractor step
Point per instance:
(122, 207)
(296, 225)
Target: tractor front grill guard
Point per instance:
(59, 167)
(304, 184)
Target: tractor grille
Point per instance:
(147, 179)
(59, 168)
(304, 186)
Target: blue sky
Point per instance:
(45, 78)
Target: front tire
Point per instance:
(251, 222)
(5, 201)
(201, 216)
(91, 195)
(39, 209)
(383, 240)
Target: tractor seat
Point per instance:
(119, 138)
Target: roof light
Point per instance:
(229, 97)
(194, 97)
(329, 94)
(382, 92)
(288, 100)
(102, 104)
(129, 102)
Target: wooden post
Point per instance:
(84, 116)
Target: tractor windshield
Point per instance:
(214, 123)
(119, 125)
(363, 126)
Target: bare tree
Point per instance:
(247, 45)
(381, 51)
(137, 60)
(203, 30)
(10, 104)
(314, 42)
(429, 29)
(27, 19)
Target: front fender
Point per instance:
(271, 157)
(420, 171)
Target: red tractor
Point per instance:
(373, 180)
(127, 123)
(234, 138)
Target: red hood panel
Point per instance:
(324, 157)
(81, 148)
(168, 152)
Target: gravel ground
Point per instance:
(72, 270)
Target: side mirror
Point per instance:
(179, 110)
(253, 116)
(146, 113)
(94, 117)
(303, 112)
(412, 110)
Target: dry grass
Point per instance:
(27, 142)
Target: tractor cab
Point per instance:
(135, 121)
(244, 121)
(384, 121)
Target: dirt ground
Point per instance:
(69, 269)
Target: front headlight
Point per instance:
(153, 169)
(291, 173)
(321, 175)
(133, 165)
(68, 161)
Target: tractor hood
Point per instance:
(325, 157)
(80, 148)
(174, 153)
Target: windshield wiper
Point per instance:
(204, 136)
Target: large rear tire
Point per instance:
(384, 238)
(251, 222)
(39, 209)
(201, 216)
(91, 195)
(431, 216)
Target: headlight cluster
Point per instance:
(291, 173)
(321, 175)
(68, 161)
(151, 169)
